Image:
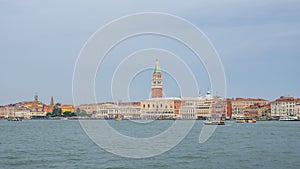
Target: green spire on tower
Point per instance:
(156, 68)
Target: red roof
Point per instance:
(249, 99)
(285, 99)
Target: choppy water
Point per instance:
(63, 144)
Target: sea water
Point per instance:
(64, 144)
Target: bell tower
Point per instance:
(51, 101)
(156, 81)
(36, 98)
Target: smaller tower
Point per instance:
(51, 101)
(36, 98)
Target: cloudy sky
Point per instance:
(258, 44)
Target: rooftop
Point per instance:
(249, 99)
(165, 98)
(285, 99)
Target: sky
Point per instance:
(40, 40)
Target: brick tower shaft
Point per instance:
(156, 81)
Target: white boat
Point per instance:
(214, 122)
(288, 118)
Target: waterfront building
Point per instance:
(34, 105)
(21, 111)
(283, 106)
(239, 104)
(89, 108)
(188, 108)
(24, 109)
(105, 111)
(7, 111)
(297, 108)
(129, 110)
(2, 112)
(157, 81)
(267, 110)
(67, 108)
(160, 108)
(22, 114)
(50, 107)
(219, 108)
(229, 109)
(204, 105)
(257, 111)
(32, 109)
(37, 114)
(125, 110)
(203, 109)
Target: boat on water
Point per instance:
(118, 118)
(245, 120)
(14, 119)
(288, 118)
(214, 122)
